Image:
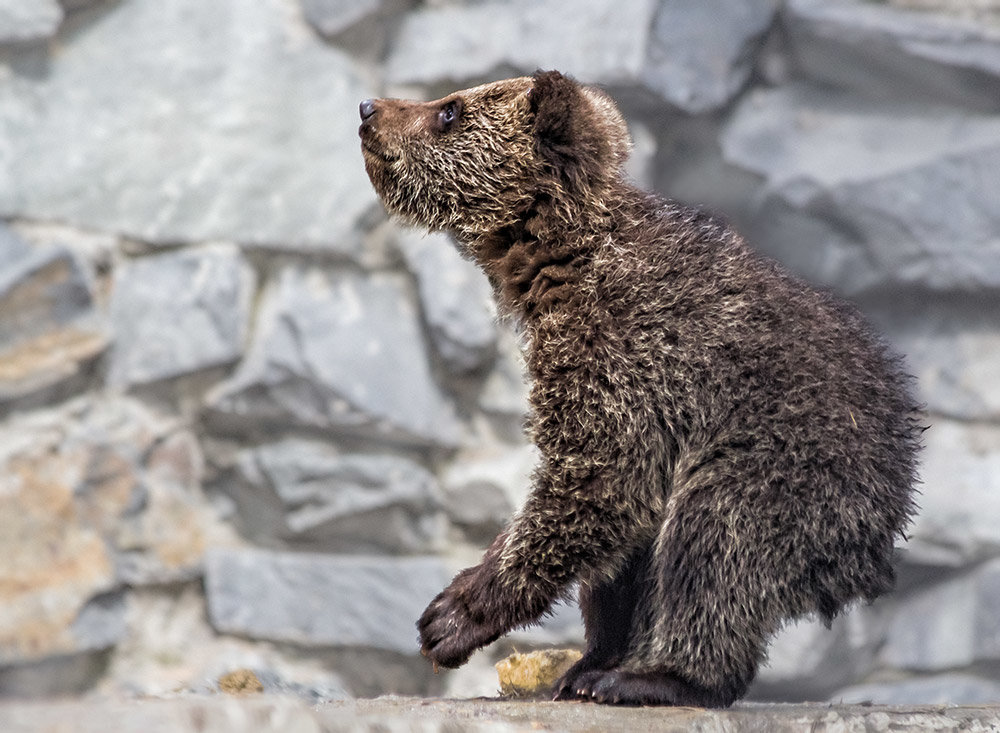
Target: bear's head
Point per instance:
(478, 160)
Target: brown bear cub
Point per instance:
(722, 447)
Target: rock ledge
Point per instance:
(208, 714)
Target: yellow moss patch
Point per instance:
(534, 673)
(240, 682)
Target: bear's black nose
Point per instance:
(367, 108)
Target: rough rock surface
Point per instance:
(330, 600)
(327, 354)
(949, 344)
(92, 496)
(483, 491)
(456, 299)
(850, 188)
(808, 661)
(609, 40)
(167, 136)
(331, 17)
(698, 60)
(943, 689)
(962, 522)
(358, 503)
(949, 626)
(178, 313)
(287, 715)
(28, 20)
(885, 52)
(49, 326)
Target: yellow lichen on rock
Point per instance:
(534, 673)
(240, 682)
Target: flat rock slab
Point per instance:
(210, 714)
(185, 121)
(328, 353)
(314, 599)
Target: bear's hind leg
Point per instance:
(715, 593)
(608, 613)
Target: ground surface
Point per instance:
(289, 715)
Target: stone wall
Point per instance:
(245, 421)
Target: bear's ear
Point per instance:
(567, 135)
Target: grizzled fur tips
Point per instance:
(723, 448)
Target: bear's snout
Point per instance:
(367, 109)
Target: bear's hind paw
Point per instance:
(566, 686)
(618, 687)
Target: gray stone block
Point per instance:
(12, 249)
(324, 600)
(599, 41)
(343, 351)
(331, 17)
(456, 300)
(960, 494)
(347, 503)
(947, 626)
(942, 689)
(694, 55)
(890, 53)
(806, 660)
(701, 54)
(66, 676)
(190, 121)
(70, 5)
(853, 190)
(49, 327)
(484, 489)
(100, 624)
(949, 344)
(83, 488)
(163, 530)
(178, 313)
(28, 20)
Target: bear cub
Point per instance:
(723, 448)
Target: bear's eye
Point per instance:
(448, 115)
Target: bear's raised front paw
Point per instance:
(449, 633)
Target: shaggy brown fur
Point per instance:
(723, 448)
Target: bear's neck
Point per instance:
(538, 262)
